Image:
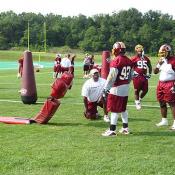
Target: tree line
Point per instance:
(95, 33)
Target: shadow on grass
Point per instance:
(101, 124)
(91, 123)
(64, 124)
(139, 119)
(154, 133)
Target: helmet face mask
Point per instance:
(164, 50)
(118, 47)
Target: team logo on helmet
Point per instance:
(164, 50)
(118, 47)
(23, 91)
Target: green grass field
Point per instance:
(73, 145)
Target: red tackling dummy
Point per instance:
(28, 85)
(105, 64)
(47, 111)
(67, 78)
(59, 89)
(61, 85)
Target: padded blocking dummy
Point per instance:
(61, 85)
(67, 78)
(47, 111)
(28, 85)
(59, 89)
(105, 64)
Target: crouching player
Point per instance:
(92, 96)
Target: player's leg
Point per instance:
(91, 111)
(144, 88)
(172, 106)
(103, 104)
(124, 129)
(137, 87)
(113, 123)
(116, 104)
(163, 110)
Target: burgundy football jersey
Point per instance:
(140, 65)
(124, 66)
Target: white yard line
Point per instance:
(15, 101)
(38, 84)
(75, 103)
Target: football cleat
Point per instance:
(106, 118)
(172, 128)
(124, 131)
(138, 104)
(108, 133)
(163, 123)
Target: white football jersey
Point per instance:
(166, 72)
(65, 62)
(93, 90)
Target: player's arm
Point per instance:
(19, 69)
(149, 70)
(85, 103)
(157, 68)
(150, 67)
(85, 93)
(111, 78)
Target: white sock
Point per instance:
(164, 120)
(137, 101)
(174, 123)
(114, 118)
(124, 116)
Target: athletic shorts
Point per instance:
(92, 109)
(57, 68)
(86, 67)
(116, 103)
(140, 83)
(164, 93)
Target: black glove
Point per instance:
(148, 76)
(135, 74)
(105, 93)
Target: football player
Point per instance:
(142, 70)
(92, 96)
(57, 66)
(86, 65)
(166, 84)
(20, 67)
(66, 64)
(117, 85)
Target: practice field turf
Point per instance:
(73, 145)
